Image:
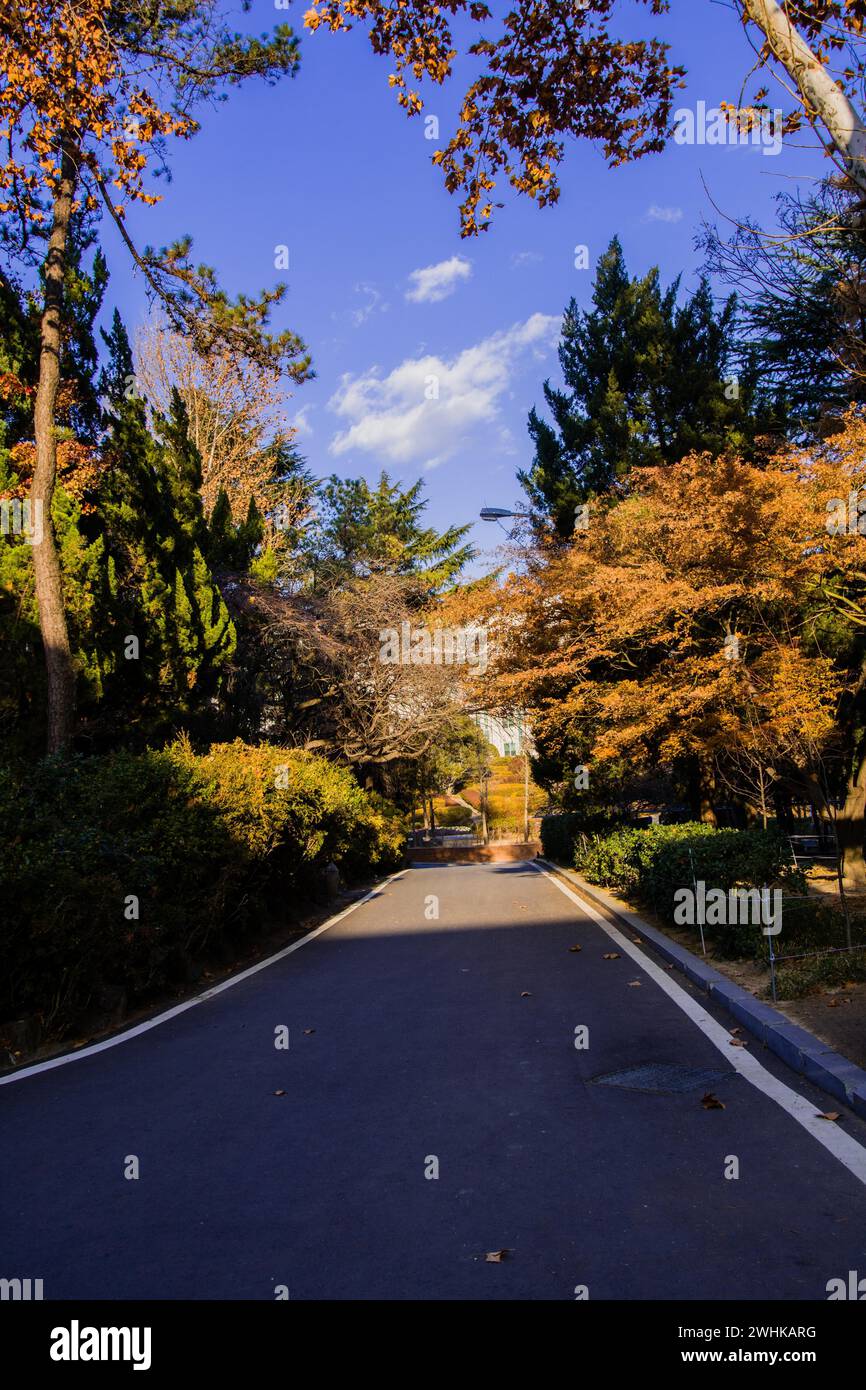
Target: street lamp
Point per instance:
(497, 513)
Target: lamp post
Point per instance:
(525, 780)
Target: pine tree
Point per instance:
(86, 570)
(152, 510)
(801, 291)
(647, 380)
(364, 531)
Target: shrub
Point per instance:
(116, 868)
(651, 864)
(557, 836)
(447, 816)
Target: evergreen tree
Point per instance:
(363, 531)
(801, 290)
(152, 510)
(86, 570)
(647, 380)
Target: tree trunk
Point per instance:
(700, 795)
(46, 561)
(850, 829)
(821, 96)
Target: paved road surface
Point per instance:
(423, 1045)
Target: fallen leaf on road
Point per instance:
(309, 1030)
(711, 1102)
(735, 1031)
(526, 994)
(668, 967)
(279, 1093)
(737, 1042)
(575, 948)
(831, 1115)
(636, 940)
(634, 984)
(495, 1257)
(612, 955)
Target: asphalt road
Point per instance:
(414, 1038)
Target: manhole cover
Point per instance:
(662, 1077)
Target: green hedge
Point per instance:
(650, 865)
(557, 836)
(211, 846)
(561, 830)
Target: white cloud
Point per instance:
(400, 419)
(658, 214)
(435, 282)
(522, 258)
(301, 422)
(374, 302)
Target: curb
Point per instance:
(799, 1049)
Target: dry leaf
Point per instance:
(636, 941)
(575, 948)
(735, 1031)
(526, 994)
(831, 1115)
(737, 1042)
(634, 984)
(711, 1102)
(495, 1257)
(612, 955)
(308, 1030)
(279, 1093)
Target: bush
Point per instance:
(650, 865)
(557, 836)
(447, 816)
(120, 867)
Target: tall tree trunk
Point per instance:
(821, 96)
(850, 826)
(46, 561)
(700, 793)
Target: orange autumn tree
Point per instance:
(555, 69)
(712, 623)
(90, 93)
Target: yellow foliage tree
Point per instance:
(709, 621)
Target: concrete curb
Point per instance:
(797, 1048)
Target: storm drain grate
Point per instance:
(662, 1077)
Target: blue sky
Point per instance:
(383, 289)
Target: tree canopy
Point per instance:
(647, 381)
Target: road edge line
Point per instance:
(794, 1045)
(65, 1057)
(844, 1147)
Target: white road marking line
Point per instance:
(840, 1145)
(199, 998)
